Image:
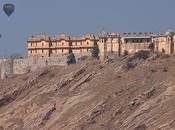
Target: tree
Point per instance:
(151, 46)
(15, 56)
(125, 53)
(71, 59)
(95, 51)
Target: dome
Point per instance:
(88, 36)
(64, 36)
(103, 34)
(169, 32)
(114, 34)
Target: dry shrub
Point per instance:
(129, 65)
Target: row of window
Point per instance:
(42, 51)
(52, 51)
(35, 44)
(137, 40)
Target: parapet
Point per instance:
(39, 38)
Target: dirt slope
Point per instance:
(92, 96)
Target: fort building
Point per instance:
(165, 43)
(109, 44)
(45, 46)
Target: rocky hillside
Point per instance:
(129, 93)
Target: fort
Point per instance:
(44, 50)
(108, 43)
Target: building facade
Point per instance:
(109, 44)
(45, 46)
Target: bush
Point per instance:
(95, 51)
(161, 56)
(71, 59)
(15, 56)
(141, 55)
(125, 53)
(151, 46)
(165, 56)
(129, 65)
(165, 69)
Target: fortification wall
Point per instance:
(134, 47)
(21, 66)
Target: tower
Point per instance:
(102, 45)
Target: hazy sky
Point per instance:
(76, 17)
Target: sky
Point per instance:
(76, 17)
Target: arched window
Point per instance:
(163, 50)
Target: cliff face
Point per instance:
(121, 94)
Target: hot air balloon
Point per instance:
(9, 8)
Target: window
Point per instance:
(31, 51)
(126, 41)
(62, 50)
(163, 50)
(42, 44)
(87, 43)
(87, 50)
(55, 51)
(62, 44)
(30, 44)
(35, 51)
(42, 50)
(75, 44)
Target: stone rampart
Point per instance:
(20, 66)
(25, 65)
